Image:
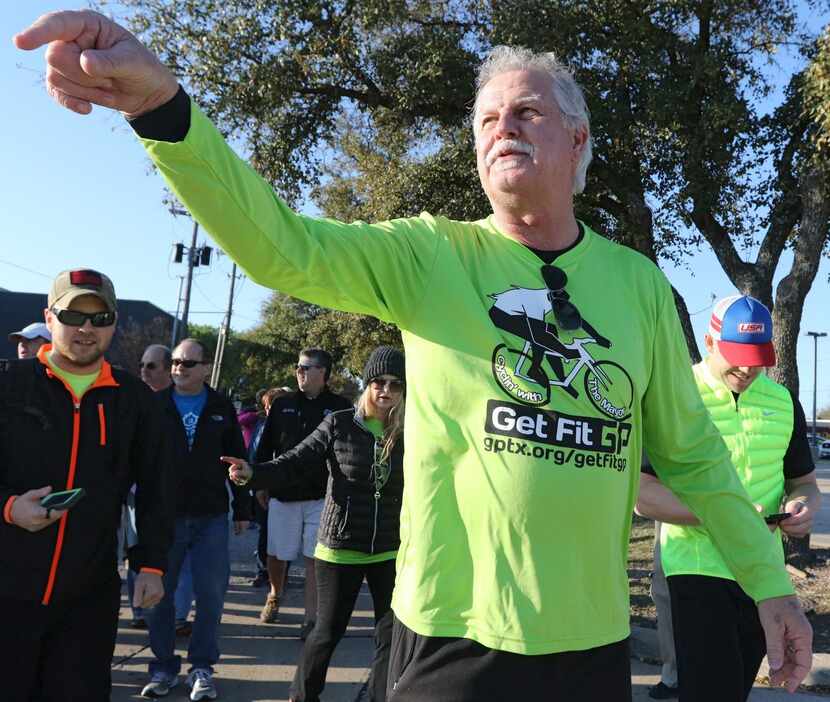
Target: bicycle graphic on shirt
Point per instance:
(606, 383)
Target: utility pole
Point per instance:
(195, 256)
(191, 262)
(815, 336)
(224, 332)
(174, 336)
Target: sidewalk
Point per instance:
(258, 660)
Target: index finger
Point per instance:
(233, 461)
(67, 25)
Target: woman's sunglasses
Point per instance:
(393, 385)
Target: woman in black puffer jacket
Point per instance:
(359, 527)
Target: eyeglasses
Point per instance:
(73, 318)
(380, 383)
(186, 364)
(565, 311)
(150, 365)
(305, 369)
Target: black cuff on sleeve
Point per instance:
(170, 122)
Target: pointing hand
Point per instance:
(92, 60)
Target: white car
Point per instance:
(824, 449)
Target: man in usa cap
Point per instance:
(763, 426)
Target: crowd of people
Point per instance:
(494, 546)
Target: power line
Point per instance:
(28, 270)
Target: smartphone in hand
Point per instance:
(62, 500)
(775, 518)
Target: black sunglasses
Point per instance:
(565, 311)
(186, 364)
(380, 383)
(73, 318)
(306, 369)
(150, 365)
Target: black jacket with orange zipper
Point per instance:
(103, 443)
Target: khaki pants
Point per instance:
(665, 631)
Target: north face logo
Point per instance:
(751, 328)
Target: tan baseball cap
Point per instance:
(82, 281)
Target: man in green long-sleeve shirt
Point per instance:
(523, 443)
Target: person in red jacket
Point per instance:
(70, 420)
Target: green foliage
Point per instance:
(290, 325)
(817, 95)
(365, 105)
(266, 356)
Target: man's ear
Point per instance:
(580, 141)
(709, 342)
(48, 317)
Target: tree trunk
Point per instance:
(793, 288)
(686, 323)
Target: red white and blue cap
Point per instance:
(742, 329)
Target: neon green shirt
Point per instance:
(79, 383)
(347, 556)
(518, 496)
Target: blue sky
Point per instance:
(77, 191)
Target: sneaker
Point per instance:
(661, 691)
(200, 682)
(183, 628)
(260, 580)
(160, 684)
(306, 629)
(138, 623)
(270, 612)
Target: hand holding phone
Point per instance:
(27, 512)
(776, 518)
(62, 500)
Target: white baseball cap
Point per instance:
(31, 331)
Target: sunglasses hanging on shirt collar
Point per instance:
(566, 313)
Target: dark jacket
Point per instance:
(200, 475)
(359, 514)
(291, 419)
(110, 440)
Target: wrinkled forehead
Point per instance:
(189, 352)
(515, 88)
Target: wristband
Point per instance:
(7, 510)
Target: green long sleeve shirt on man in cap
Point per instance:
(523, 442)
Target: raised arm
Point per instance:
(91, 60)
(382, 270)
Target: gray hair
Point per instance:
(166, 354)
(566, 92)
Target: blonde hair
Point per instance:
(392, 427)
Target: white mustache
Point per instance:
(502, 147)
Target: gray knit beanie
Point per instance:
(384, 360)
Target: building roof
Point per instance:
(17, 309)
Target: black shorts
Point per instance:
(445, 669)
